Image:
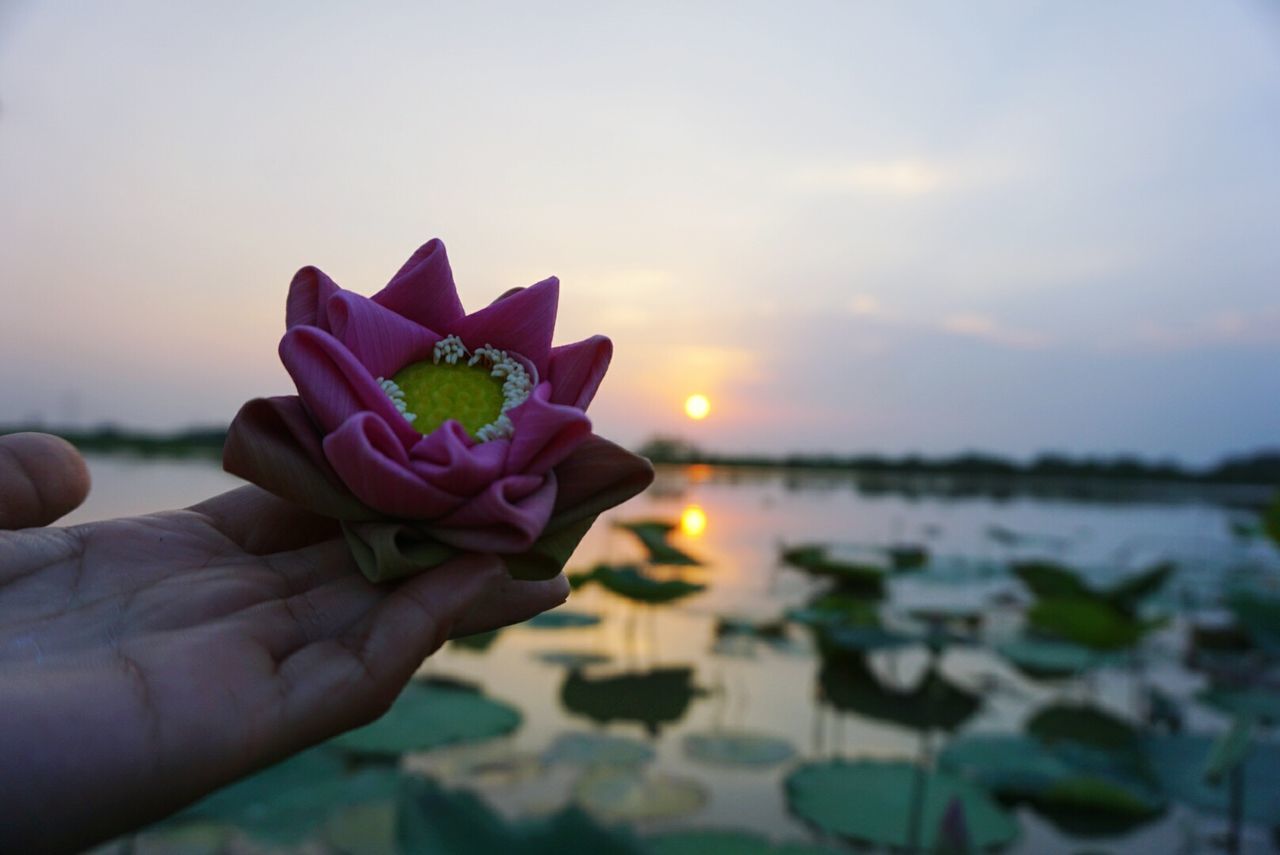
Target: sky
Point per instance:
(889, 227)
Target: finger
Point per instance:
(336, 684)
(511, 601)
(260, 523)
(42, 478)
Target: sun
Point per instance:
(693, 521)
(697, 407)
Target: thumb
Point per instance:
(42, 478)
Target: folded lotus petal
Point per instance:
(379, 338)
(333, 384)
(372, 462)
(545, 433)
(423, 290)
(597, 476)
(507, 517)
(309, 292)
(272, 443)
(449, 458)
(575, 370)
(522, 322)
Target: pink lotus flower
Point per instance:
(451, 426)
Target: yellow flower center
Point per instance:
(475, 389)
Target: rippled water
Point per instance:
(736, 523)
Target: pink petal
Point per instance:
(449, 458)
(575, 370)
(309, 292)
(507, 517)
(382, 340)
(522, 322)
(423, 289)
(372, 462)
(334, 386)
(545, 433)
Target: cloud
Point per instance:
(986, 328)
(1260, 327)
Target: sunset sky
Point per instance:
(853, 227)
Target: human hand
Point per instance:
(147, 661)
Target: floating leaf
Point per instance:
(727, 842)
(628, 794)
(1271, 520)
(872, 801)
(836, 608)
(1259, 615)
(428, 715)
(652, 535)
(650, 698)
(1082, 724)
(629, 581)
(1229, 750)
(850, 684)
(288, 802)
(433, 821)
(597, 749)
(1048, 579)
(477, 643)
(1082, 800)
(573, 659)
(368, 829)
(908, 556)
(851, 576)
(1085, 621)
(1042, 658)
(562, 618)
(1180, 761)
(1258, 702)
(738, 748)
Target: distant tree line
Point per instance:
(1260, 468)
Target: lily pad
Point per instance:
(850, 684)
(573, 659)
(860, 577)
(1045, 659)
(727, 842)
(631, 795)
(1259, 615)
(288, 802)
(1181, 760)
(478, 643)
(1087, 622)
(1084, 725)
(1257, 702)
(876, 802)
(836, 609)
(562, 619)
(738, 748)
(629, 581)
(652, 535)
(597, 749)
(1081, 800)
(368, 829)
(434, 821)
(650, 698)
(428, 715)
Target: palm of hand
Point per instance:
(158, 657)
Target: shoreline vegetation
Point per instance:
(927, 474)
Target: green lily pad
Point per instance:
(597, 749)
(1084, 725)
(650, 698)
(562, 619)
(631, 795)
(573, 659)
(1181, 760)
(368, 829)
(837, 609)
(428, 715)
(1259, 615)
(478, 765)
(871, 801)
(629, 581)
(1258, 702)
(1049, 580)
(1229, 750)
(854, 577)
(1271, 520)
(288, 802)
(850, 684)
(478, 643)
(727, 842)
(1087, 622)
(1080, 800)
(1045, 659)
(652, 535)
(908, 556)
(738, 748)
(434, 821)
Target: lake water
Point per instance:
(736, 523)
